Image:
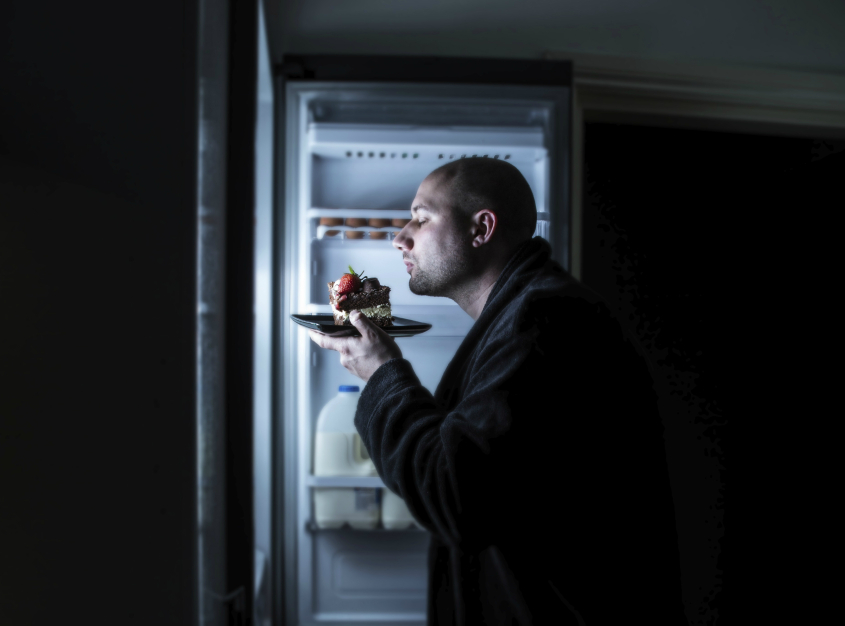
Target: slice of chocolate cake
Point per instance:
(371, 298)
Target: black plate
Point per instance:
(324, 322)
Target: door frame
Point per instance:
(695, 96)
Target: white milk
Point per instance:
(339, 451)
(394, 512)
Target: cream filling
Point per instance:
(381, 310)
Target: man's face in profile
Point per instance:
(434, 247)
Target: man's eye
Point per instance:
(421, 222)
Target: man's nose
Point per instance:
(402, 241)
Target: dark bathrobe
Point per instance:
(539, 464)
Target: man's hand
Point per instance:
(363, 355)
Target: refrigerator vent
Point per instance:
(382, 155)
(414, 155)
(475, 156)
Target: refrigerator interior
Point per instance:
(341, 163)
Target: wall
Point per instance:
(778, 33)
(97, 272)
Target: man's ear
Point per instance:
(484, 225)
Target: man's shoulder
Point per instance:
(560, 315)
(553, 296)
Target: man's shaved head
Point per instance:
(481, 183)
(469, 216)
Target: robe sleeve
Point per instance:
(462, 472)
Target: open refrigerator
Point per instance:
(358, 148)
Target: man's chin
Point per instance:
(418, 289)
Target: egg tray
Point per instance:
(364, 231)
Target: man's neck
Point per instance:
(472, 300)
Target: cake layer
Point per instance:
(381, 322)
(381, 311)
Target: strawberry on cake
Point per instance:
(357, 292)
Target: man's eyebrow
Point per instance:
(422, 207)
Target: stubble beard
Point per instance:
(445, 275)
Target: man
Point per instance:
(538, 465)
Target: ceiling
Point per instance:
(787, 34)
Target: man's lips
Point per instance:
(408, 265)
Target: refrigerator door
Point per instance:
(267, 563)
(356, 151)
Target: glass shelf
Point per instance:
(346, 212)
(311, 527)
(345, 481)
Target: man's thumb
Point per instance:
(359, 320)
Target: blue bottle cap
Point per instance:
(349, 388)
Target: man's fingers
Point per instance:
(360, 355)
(360, 321)
(324, 341)
(316, 337)
(349, 332)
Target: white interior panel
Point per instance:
(367, 574)
(429, 358)
(360, 183)
(375, 182)
(370, 576)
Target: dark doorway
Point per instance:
(667, 213)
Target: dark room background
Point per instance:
(673, 219)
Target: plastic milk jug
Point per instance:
(339, 451)
(394, 512)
